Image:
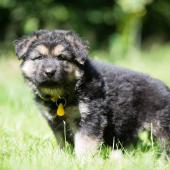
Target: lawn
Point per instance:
(26, 142)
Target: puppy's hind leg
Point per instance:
(161, 129)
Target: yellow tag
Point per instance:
(60, 110)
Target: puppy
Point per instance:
(87, 102)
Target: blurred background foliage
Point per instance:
(118, 27)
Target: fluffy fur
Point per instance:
(104, 103)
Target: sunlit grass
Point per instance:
(26, 142)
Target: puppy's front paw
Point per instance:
(85, 146)
(116, 155)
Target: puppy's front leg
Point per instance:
(90, 134)
(58, 129)
(55, 124)
(85, 145)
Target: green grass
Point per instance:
(26, 142)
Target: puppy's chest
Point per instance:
(71, 115)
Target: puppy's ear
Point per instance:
(79, 48)
(22, 45)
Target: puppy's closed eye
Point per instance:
(39, 57)
(61, 57)
(65, 56)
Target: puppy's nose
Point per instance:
(49, 72)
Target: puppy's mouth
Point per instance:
(49, 84)
(51, 88)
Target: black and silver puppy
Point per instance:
(88, 102)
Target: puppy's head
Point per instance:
(49, 58)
